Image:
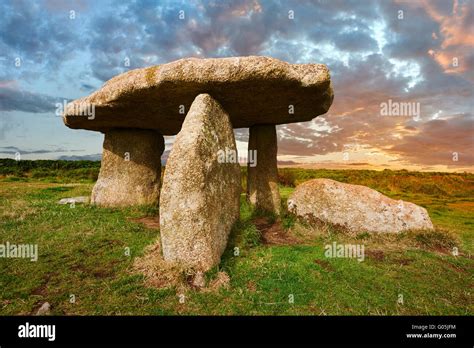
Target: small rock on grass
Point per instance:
(199, 280)
(44, 309)
(79, 199)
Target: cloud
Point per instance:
(87, 87)
(12, 99)
(286, 163)
(216, 29)
(41, 39)
(373, 56)
(438, 142)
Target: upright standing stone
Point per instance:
(262, 179)
(130, 171)
(200, 197)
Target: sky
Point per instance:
(382, 55)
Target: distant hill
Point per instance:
(94, 157)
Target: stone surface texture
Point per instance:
(355, 207)
(200, 197)
(130, 171)
(252, 90)
(262, 179)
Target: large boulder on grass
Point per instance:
(356, 208)
(252, 90)
(200, 196)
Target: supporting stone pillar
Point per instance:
(200, 198)
(262, 179)
(130, 171)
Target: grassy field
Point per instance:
(280, 267)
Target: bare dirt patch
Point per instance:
(404, 261)
(273, 233)
(42, 289)
(325, 265)
(377, 255)
(221, 281)
(251, 286)
(456, 268)
(152, 222)
(102, 273)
